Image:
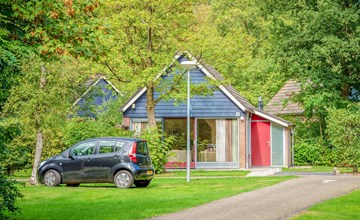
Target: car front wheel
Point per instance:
(142, 183)
(123, 179)
(52, 178)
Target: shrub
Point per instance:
(344, 133)
(159, 145)
(78, 129)
(314, 154)
(8, 195)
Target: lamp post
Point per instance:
(187, 65)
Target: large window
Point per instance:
(218, 140)
(178, 129)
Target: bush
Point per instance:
(78, 129)
(159, 145)
(314, 154)
(8, 195)
(344, 133)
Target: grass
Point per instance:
(203, 173)
(104, 201)
(344, 207)
(315, 169)
(25, 173)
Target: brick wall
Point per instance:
(126, 122)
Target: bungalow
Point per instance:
(281, 103)
(226, 130)
(99, 90)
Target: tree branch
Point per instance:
(172, 88)
(115, 74)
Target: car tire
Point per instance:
(73, 184)
(142, 183)
(123, 179)
(52, 178)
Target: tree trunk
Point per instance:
(345, 88)
(150, 105)
(39, 132)
(37, 158)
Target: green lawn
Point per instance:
(202, 173)
(315, 169)
(344, 207)
(104, 201)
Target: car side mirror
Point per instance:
(71, 154)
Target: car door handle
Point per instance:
(116, 155)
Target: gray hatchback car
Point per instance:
(123, 161)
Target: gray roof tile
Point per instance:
(280, 103)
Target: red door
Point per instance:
(260, 143)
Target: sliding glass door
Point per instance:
(217, 140)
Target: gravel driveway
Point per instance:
(279, 201)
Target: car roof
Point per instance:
(113, 138)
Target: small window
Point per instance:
(86, 148)
(119, 145)
(106, 147)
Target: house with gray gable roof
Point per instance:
(227, 132)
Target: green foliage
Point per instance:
(159, 145)
(29, 107)
(12, 157)
(317, 42)
(8, 78)
(57, 27)
(78, 129)
(234, 37)
(146, 35)
(9, 193)
(343, 132)
(314, 154)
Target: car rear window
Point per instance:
(142, 148)
(110, 146)
(106, 147)
(119, 145)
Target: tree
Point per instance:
(49, 30)
(39, 108)
(318, 43)
(235, 38)
(145, 37)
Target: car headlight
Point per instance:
(42, 163)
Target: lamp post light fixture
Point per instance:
(187, 65)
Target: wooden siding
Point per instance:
(216, 106)
(99, 94)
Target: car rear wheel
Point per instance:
(52, 178)
(73, 184)
(142, 183)
(123, 179)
